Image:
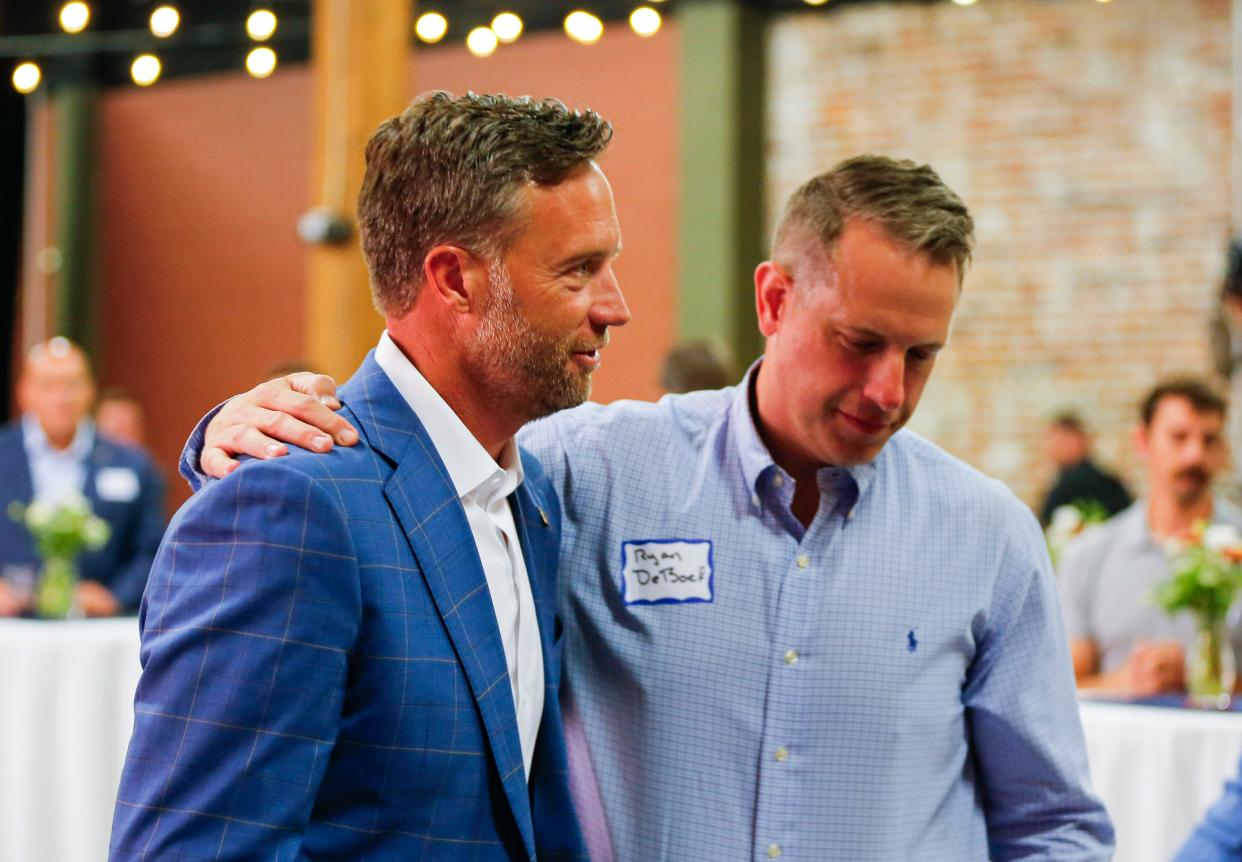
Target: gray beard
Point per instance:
(520, 368)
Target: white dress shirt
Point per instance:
(57, 475)
(483, 486)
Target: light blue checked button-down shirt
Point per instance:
(891, 684)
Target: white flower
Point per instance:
(38, 515)
(1065, 520)
(95, 531)
(1220, 537)
(76, 503)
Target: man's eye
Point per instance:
(920, 356)
(860, 346)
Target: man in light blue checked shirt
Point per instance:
(795, 630)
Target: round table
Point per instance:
(1158, 770)
(65, 721)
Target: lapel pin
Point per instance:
(543, 516)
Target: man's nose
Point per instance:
(610, 307)
(886, 381)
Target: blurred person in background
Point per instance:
(700, 363)
(119, 417)
(53, 453)
(1079, 479)
(1226, 343)
(1119, 640)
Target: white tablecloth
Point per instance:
(66, 713)
(1158, 770)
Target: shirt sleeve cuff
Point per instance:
(189, 466)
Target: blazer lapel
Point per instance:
(100, 457)
(434, 523)
(530, 517)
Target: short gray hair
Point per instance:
(448, 170)
(907, 200)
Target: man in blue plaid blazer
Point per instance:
(341, 653)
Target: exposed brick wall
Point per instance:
(1092, 143)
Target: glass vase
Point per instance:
(1210, 666)
(54, 595)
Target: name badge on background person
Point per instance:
(666, 571)
(116, 484)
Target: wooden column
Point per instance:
(722, 179)
(1236, 142)
(360, 52)
(76, 307)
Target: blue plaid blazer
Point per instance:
(323, 676)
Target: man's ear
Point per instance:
(456, 277)
(1140, 440)
(23, 390)
(773, 293)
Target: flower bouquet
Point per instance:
(61, 531)
(1205, 576)
(1069, 521)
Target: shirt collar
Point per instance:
(36, 443)
(471, 469)
(757, 459)
(1133, 530)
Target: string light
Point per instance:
(164, 21)
(26, 77)
(74, 17)
(261, 62)
(145, 70)
(964, 2)
(482, 42)
(815, 2)
(645, 21)
(583, 27)
(261, 24)
(431, 27)
(507, 27)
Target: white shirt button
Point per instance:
(774, 851)
(778, 480)
(755, 499)
(849, 516)
(782, 754)
(791, 656)
(803, 561)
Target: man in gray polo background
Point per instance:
(1119, 640)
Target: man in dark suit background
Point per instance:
(356, 656)
(1079, 478)
(52, 453)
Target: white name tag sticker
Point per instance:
(666, 571)
(116, 484)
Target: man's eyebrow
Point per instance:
(863, 332)
(594, 254)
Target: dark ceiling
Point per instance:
(212, 38)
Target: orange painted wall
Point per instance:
(202, 181)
